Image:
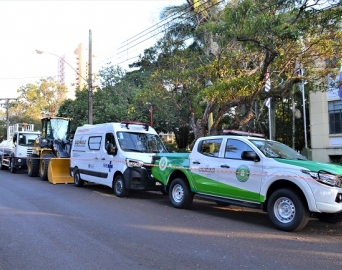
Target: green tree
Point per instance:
(247, 39)
(37, 100)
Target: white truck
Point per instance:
(247, 170)
(118, 155)
(22, 137)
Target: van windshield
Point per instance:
(141, 142)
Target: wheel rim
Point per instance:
(178, 193)
(284, 210)
(118, 186)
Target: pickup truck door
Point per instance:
(203, 165)
(239, 178)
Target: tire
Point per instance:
(329, 218)
(180, 194)
(44, 166)
(77, 179)
(33, 165)
(13, 169)
(287, 211)
(2, 167)
(119, 187)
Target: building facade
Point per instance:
(326, 125)
(73, 69)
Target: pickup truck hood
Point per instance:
(313, 166)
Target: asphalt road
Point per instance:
(46, 226)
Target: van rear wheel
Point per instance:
(119, 187)
(77, 179)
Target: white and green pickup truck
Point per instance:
(247, 170)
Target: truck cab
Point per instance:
(22, 138)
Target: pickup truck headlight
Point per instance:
(325, 178)
(134, 163)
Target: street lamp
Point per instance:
(89, 83)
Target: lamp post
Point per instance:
(89, 81)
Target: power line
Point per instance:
(165, 29)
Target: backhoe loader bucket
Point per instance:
(58, 172)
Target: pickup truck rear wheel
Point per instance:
(119, 187)
(180, 193)
(287, 211)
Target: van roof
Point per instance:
(119, 126)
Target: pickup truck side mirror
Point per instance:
(250, 155)
(111, 149)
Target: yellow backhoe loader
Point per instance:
(50, 158)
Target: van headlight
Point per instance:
(134, 163)
(325, 178)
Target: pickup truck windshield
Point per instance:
(141, 142)
(274, 149)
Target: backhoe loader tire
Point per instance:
(44, 166)
(33, 165)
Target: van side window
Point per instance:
(94, 142)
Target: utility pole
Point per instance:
(7, 116)
(90, 82)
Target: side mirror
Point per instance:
(250, 155)
(111, 149)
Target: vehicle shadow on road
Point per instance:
(234, 213)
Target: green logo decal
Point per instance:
(163, 163)
(242, 173)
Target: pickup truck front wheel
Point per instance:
(287, 211)
(180, 194)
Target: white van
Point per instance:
(118, 155)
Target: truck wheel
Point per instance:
(44, 165)
(33, 165)
(13, 169)
(77, 179)
(119, 187)
(2, 167)
(180, 194)
(287, 211)
(329, 218)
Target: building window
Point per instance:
(335, 116)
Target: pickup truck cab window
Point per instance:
(210, 147)
(234, 149)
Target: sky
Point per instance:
(58, 27)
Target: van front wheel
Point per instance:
(119, 187)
